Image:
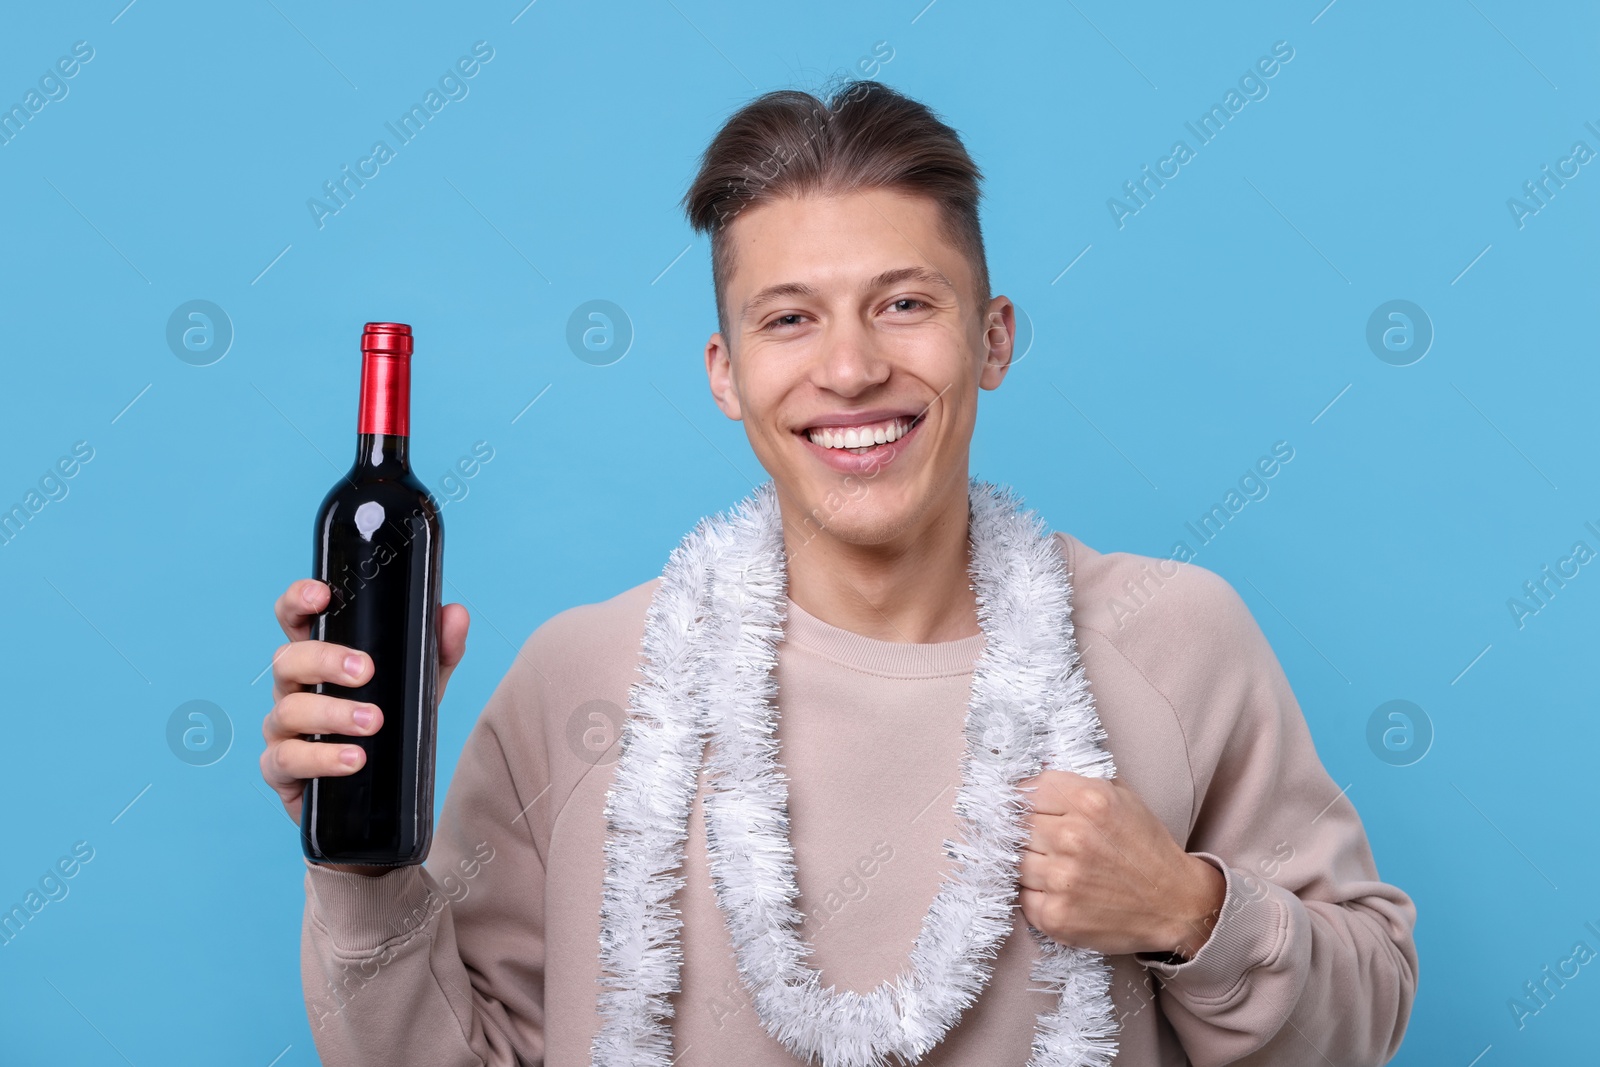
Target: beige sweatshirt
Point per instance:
(489, 953)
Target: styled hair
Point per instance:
(789, 143)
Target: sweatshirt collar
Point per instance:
(890, 659)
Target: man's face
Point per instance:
(852, 314)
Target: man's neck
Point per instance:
(913, 591)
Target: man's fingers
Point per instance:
(1043, 830)
(304, 663)
(305, 712)
(1052, 791)
(1061, 792)
(299, 603)
(1032, 870)
(454, 621)
(290, 760)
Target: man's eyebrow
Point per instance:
(926, 275)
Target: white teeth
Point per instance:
(861, 436)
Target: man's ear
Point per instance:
(999, 336)
(719, 373)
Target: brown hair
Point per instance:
(868, 135)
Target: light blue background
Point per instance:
(1226, 315)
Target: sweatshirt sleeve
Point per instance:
(441, 964)
(1312, 959)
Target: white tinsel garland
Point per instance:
(710, 642)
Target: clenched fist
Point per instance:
(1101, 871)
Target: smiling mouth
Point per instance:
(859, 440)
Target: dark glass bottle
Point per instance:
(380, 546)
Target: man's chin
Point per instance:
(848, 509)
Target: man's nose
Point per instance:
(852, 358)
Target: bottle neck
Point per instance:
(385, 394)
(384, 419)
(383, 425)
(383, 452)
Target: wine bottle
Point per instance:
(380, 546)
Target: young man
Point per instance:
(926, 857)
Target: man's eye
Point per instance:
(909, 300)
(779, 321)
